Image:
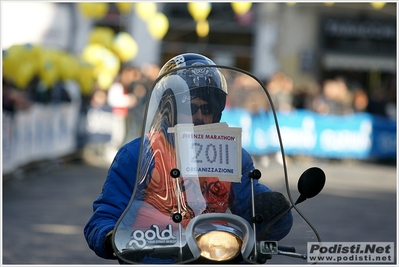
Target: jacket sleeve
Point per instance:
(114, 198)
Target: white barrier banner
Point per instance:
(39, 133)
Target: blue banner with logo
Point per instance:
(358, 135)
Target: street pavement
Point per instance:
(45, 209)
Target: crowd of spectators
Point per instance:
(15, 99)
(332, 96)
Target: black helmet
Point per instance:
(206, 83)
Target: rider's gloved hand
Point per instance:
(108, 245)
(271, 205)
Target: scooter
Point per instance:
(179, 211)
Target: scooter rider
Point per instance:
(207, 101)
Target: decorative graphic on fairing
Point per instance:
(189, 168)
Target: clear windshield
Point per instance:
(197, 123)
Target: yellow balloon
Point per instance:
(11, 59)
(124, 46)
(145, 10)
(199, 10)
(104, 61)
(103, 36)
(7, 65)
(20, 64)
(377, 5)
(85, 78)
(202, 28)
(105, 80)
(25, 73)
(93, 10)
(124, 7)
(93, 53)
(68, 66)
(48, 72)
(35, 53)
(158, 26)
(110, 63)
(241, 8)
(100, 10)
(49, 75)
(16, 49)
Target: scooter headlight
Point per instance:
(219, 245)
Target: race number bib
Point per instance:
(212, 150)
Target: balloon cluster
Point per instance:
(157, 22)
(105, 51)
(23, 63)
(199, 11)
(99, 62)
(98, 10)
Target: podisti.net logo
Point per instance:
(351, 252)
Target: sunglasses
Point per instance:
(206, 109)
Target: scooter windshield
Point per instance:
(191, 161)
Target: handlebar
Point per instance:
(291, 254)
(287, 249)
(271, 247)
(290, 251)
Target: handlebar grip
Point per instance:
(287, 249)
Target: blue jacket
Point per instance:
(118, 188)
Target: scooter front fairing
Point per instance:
(186, 169)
